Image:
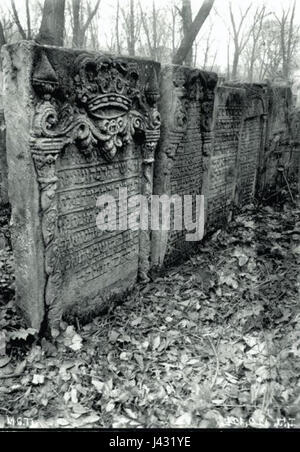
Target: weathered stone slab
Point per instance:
(252, 141)
(278, 150)
(186, 107)
(228, 119)
(295, 144)
(80, 125)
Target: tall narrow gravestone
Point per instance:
(252, 142)
(79, 126)
(187, 99)
(222, 174)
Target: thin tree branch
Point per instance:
(17, 20)
(28, 20)
(91, 16)
(196, 25)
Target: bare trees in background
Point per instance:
(254, 37)
(268, 52)
(188, 39)
(289, 38)
(6, 28)
(25, 32)
(265, 43)
(262, 44)
(239, 36)
(53, 23)
(132, 26)
(82, 16)
(205, 47)
(154, 31)
(187, 20)
(51, 30)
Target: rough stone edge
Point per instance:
(23, 192)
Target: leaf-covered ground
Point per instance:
(215, 342)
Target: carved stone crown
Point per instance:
(103, 85)
(107, 109)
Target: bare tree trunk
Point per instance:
(187, 20)
(76, 28)
(84, 28)
(154, 15)
(228, 60)
(288, 39)
(117, 28)
(147, 32)
(188, 40)
(28, 20)
(256, 34)
(173, 29)
(235, 63)
(132, 23)
(131, 35)
(195, 55)
(214, 60)
(207, 46)
(289, 43)
(239, 39)
(80, 28)
(17, 20)
(53, 23)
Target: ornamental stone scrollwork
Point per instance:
(104, 113)
(152, 135)
(109, 107)
(47, 179)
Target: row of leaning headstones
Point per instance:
(84, 127)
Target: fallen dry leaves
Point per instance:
(214, 342)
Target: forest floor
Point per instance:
(214, 342)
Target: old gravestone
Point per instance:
(252, 142)
(223, 169)
(79, 125)
(187, 98)
(278, 151)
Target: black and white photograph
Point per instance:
(149, 218)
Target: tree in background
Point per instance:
(6, 28)
(51, 30)
(25, 32)
(187, 20)
(188, 39)
(272, 46)
(53, 23)
(261, 44)
(81, 20)
(289, 39)
(6, 31)
(266, 43)
(205, 49)
(239, 36)
(132, 26)
(268, 52)
(252, 48)
(157, 32)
